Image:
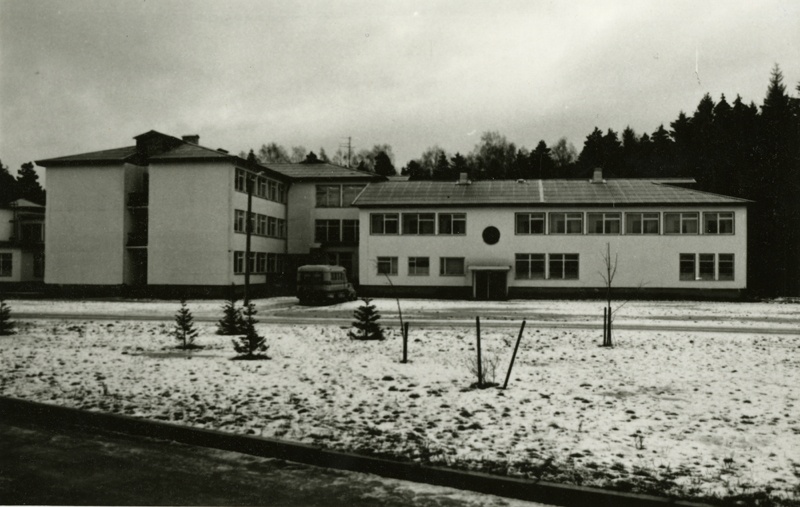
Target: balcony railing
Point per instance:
(137, 199)
(137, 239)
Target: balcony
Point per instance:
(137, 239)
(137, 200)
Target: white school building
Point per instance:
(167, 216)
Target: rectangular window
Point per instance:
(238, 262)
(419, 223)
(680, 223)
(350, 231)
(240, 181)
(252, 263)
(261, 187)
(419, 266)
(261, 225)
(718, 223)
(387, 266)
(329, 196)
(281, 192)
(238, 221)
(281, 227)
(707, 266)
(384, 223)
(529, 223)
(272, 227)
(272, 190)
(642, 223)
(725, 267)
(687, 267)
(603, 223)
(327, 231)
(38, 265)
(563, 266)
(529, 267)
(261, 262)
(349, 193)
(451, 266)
(272, 263)
(453, 223)
(5, 264)
(343, 259)
(566, 223)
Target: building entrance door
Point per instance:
(490, 285)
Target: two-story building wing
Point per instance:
(21, 242)
(498, 239)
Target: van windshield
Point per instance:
(311, 276)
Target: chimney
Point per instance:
(462, 179)
(598, 175)
(194, 139)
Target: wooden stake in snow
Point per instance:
(405, 342)
(514, 355)
(480, 364)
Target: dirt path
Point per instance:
(68, 467)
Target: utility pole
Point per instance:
(248, 227)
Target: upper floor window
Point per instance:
(718, 223)
(272, 227)
(238, 262)
(272, 190)
(603, 223)
(350, 231)
(327, 231)
(453, 223)
(529, 223)
(451, 266)
(32, 233)
(261, 187)
(680, 223)
(419, 223)
(238, 221)
(349, 193)
(281, 228)
(329, 196)
(240, 182)
(261, 225)
(566, 223)
(384, 223)
(281, 192)
(642, 223)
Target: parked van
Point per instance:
(320, 283)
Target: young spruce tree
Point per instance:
(184, 330)
(249, 345)
(366, 322)
(6, 324)
(232, 322)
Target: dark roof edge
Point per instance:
(551, 205)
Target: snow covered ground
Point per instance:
(669, 412)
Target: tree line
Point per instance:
(24, 186)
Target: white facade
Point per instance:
(651, 261)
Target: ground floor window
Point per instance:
(529, 266)
(451, 266)
(343, 259)
(38, 265)
(238, 262)
(5, 264)
(708, 267)
(419, 266)
(387, 266)
(563, 266)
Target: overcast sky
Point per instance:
(85, 75)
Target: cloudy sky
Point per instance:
(85, 75)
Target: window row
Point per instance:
(421, 266)
(418, 223)
(535, 266)
(337, 196)
(612, 222)
(718, 267)
(263, 187)
(261, 225)
(260, 262)
(336, 231)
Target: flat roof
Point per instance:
(622, 192)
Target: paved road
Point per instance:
(429, 322)
(69, 467)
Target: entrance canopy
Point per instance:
(489, 268)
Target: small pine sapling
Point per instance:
(251, 345)
(184, 330)
(7, 326)
(232, 322)
(366, 323)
